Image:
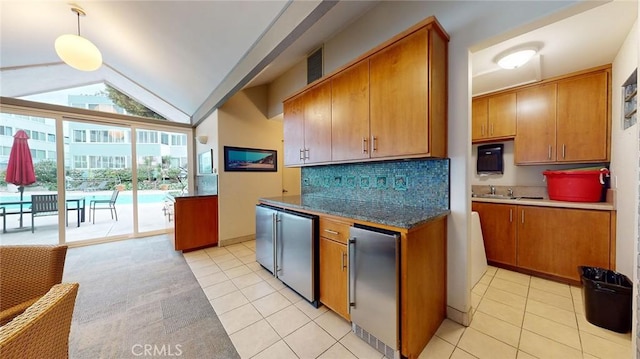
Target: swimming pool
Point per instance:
(123, 198)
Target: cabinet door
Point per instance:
(350, 113)
(536, 238)
(398, 90)
(317, 123)
(502, 116)
(583, 123)
(498, 231)
(535, 140)
(558, 240)
(293, 129)
(333, 276)
(582, 238)
(479, 116)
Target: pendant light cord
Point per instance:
(78, 13)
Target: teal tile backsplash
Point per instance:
(423, 183)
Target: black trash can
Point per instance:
(607, 298)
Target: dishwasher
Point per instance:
(286, 245)
(374, 287)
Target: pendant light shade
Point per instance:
(78, 52)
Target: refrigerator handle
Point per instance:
(274, 237)
(351, 298)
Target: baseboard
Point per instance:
(463, 318)
(236, 240)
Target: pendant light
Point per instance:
(76, 51)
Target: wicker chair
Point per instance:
(42, 331)
(26, 274)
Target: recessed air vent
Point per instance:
(314, 66)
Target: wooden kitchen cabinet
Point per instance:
(350, 113)
(407, 110)
(334, 265)
(334, 274)
(389, 103)
(535, 141)
(556, 241)
(567, 120)
(493, 117)
(307, 126)
(583, 123)
(498, 222)
(196, 222)
(547, 240)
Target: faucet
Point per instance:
(510, 192)
(492, 189)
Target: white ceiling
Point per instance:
(589, 39)
(184, 58)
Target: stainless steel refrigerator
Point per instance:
(286, 245)
(374, 287)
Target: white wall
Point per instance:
(513, 175)
(469, 23)
(624, 166)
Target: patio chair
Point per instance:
(109, 204)
(82, 186)
(26, 274)
(47, 205)
(41, 331)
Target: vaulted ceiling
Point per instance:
(184, 58)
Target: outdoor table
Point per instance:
(78, 200)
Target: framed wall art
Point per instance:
(240, 159)
(205, 162)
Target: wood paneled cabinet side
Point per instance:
(498, 223)
(350, 113)
(334, 274)
(399, 97)
(583, 123)
(196, 222)
(535, 141)
(293, 130)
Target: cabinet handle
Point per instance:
(492, 128)
(365, 148)
(374, 142)
(344, 261)
(301, 154)
(510, 215)
(482, 130)
(335, 233)
(549, 156)
(523, 216)
(351, 295)
(274, 238)
(563, 148)
(306, 151)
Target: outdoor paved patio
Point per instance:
(150, 218)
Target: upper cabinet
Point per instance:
(388, 104)
(350, 113)
(307, 131)
(493, 117)
(565, 121)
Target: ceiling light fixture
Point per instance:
(76, 51)
(516, 59)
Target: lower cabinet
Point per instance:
(547, 240)
(196, 222)
(334, 276)
(498, 230)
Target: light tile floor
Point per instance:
(515, 316)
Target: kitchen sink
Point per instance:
(495, 196)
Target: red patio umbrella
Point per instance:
(20, 170)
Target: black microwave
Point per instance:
(490, 159)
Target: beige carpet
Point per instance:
(138, 298)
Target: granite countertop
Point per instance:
(393, 215)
